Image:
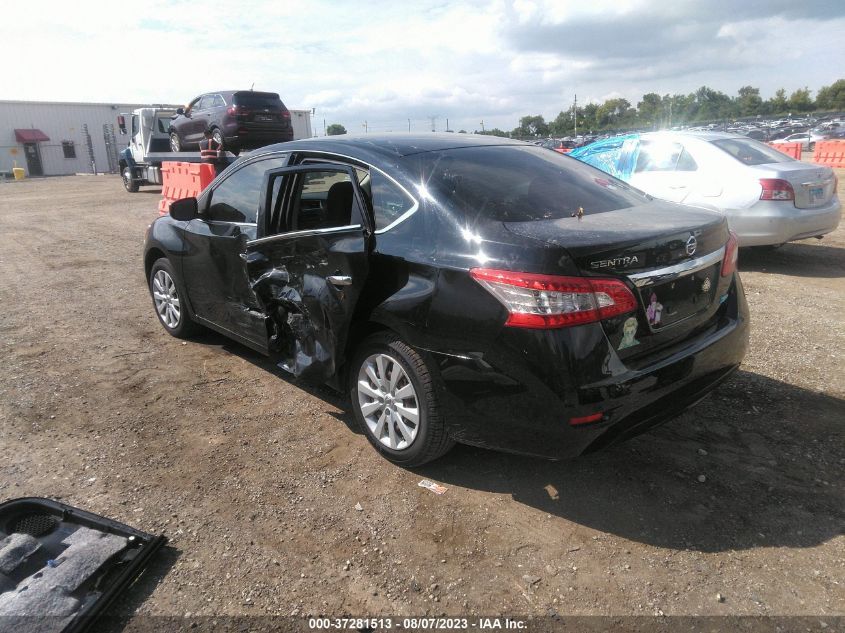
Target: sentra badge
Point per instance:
(616, 262)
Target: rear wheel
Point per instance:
(167, 300)
(217, 135)
(395, 403)
(175, 142)
(128, 183)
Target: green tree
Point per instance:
(749, 101)
(832, 97)
(650, 109)
(779, 103)
(800, 100)
(532, 125)
(334, 129)
(494, 132)
(711, 104)
(614, 112)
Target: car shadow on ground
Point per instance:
(118, 615)
(772, 456)
(796, 259)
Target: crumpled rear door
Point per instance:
(308, 280)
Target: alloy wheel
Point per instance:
(388, 402)
(175, 144)
(166, 299)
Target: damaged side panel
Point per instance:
(308, 286)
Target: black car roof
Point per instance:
(366, 146)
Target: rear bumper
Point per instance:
(252, 135)
(772, 222)
(505, 402)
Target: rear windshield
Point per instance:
(751, 152)
(518, 184)
(258, 99)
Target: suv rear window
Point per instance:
(751, 152)
(258, 99)
(518, 184)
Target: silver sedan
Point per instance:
(768, 197)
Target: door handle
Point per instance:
(339, 280)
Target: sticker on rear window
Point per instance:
(629, 329)
(654, 311)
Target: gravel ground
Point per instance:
(255, 479)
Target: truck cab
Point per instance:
(149, 134)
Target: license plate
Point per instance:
(263, 117)
(816, 194)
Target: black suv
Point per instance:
(458, 288)
(238, 119)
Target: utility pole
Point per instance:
(575, 112)
(433, 123)
(447, 124)
(364, 125)
(324, 128)
(409, 125)
(482, 125)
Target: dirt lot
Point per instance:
(255, 479)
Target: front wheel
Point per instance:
(168, 300)
(395, 403)
(175, 142)
(128, 182)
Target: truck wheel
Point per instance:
(175, 143)
(395, 403)
(130, 185)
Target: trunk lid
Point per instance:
(813, 185)
(668, 255)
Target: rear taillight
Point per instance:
(729, 264)
(286, 114)
(548, 301)
(776, 189)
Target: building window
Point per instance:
(69, 149)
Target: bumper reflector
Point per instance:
(586, 419)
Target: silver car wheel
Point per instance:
(166, 299)
(388, 402)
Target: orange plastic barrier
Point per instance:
(830, 154)
(183, 180)
(790, 149)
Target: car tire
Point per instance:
(383, 402)
(175, 142)
(168, 300)
(217, 135)
(128, 183)
(811, 146)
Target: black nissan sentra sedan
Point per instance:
(459, 289)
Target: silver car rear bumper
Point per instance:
(776, 222)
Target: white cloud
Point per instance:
(386, 62)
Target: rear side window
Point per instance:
(518, 184)
(236, 199)
(663, 156)
(258, 99)
(390, 202)
(751, 152)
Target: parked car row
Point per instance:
(461, 288)
(768, 197)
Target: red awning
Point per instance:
(30, 136)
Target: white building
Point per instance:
(58, 138)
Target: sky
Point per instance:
(384, 63)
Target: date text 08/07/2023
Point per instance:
(433, 624)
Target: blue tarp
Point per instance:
(616, 156)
